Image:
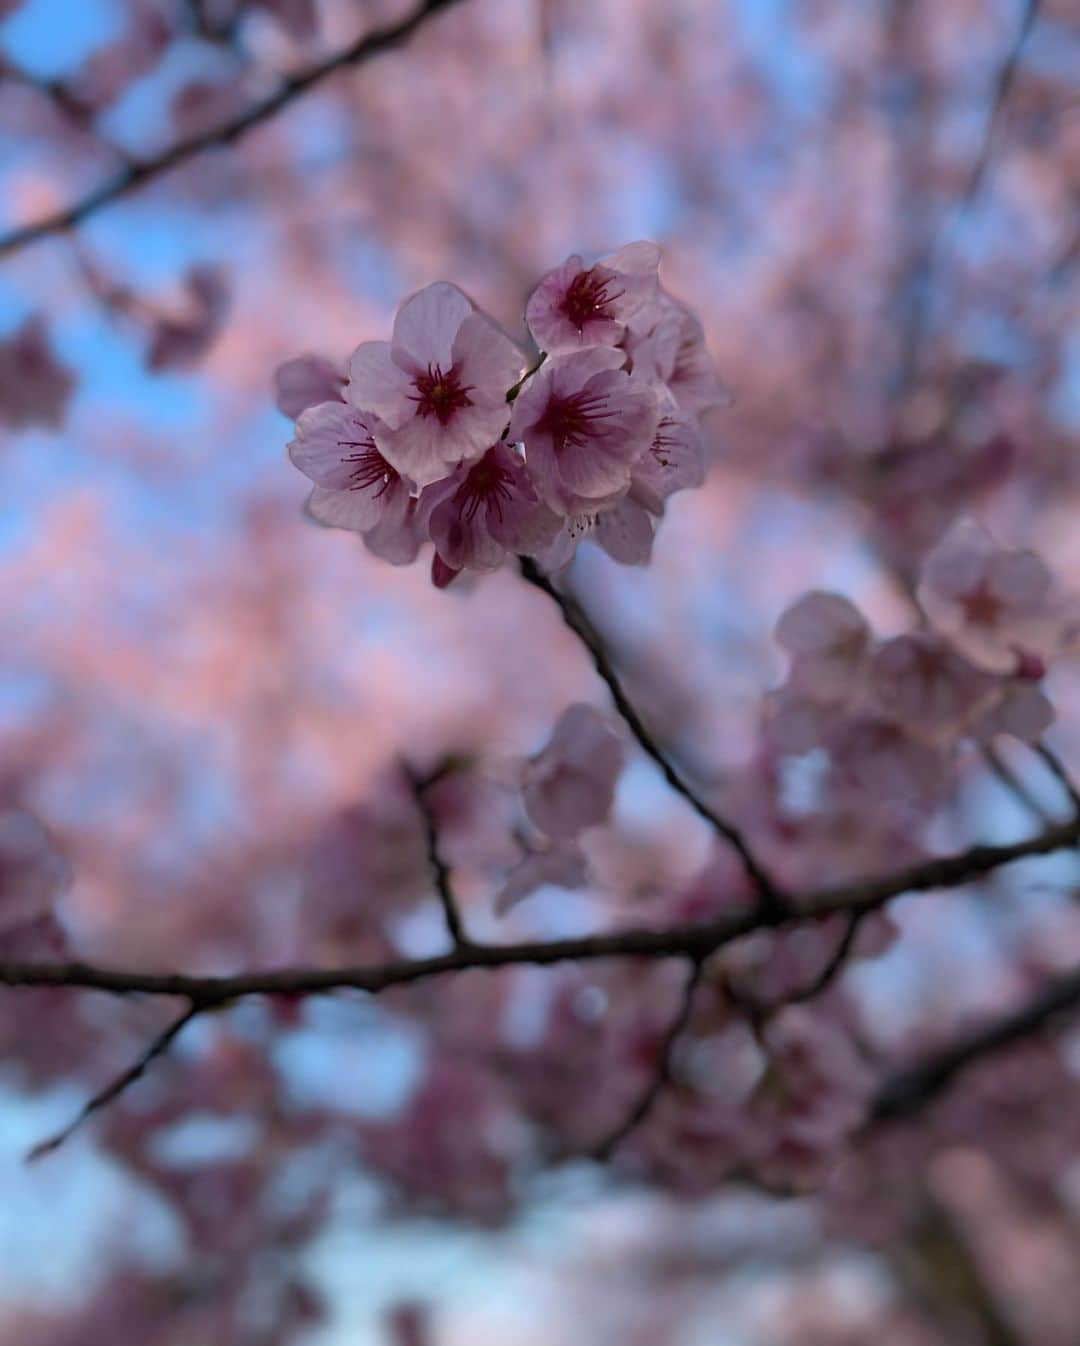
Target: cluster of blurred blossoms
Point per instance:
(889, 712)
(448, 434)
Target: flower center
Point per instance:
(663, 442)
(574, 420)
(590, 296)
(981, 607)
(440, 395)
(371, 468)
(488, 483)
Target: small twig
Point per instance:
(1013, 783)
(138, 174)
(908, 1090)
(662, 1075)
(1057, 766)
(117, 1086)
(576, 619)
(439, 868)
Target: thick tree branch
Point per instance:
(138, 174)
(910, 1089)
(691, 941)
(116, 1087)
(578, 621)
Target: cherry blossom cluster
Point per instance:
(889, 712)
(448, 434)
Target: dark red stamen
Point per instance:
(371, 467)
(590, 295)
(663, 443)
(488, 483)
(440, 395)
(574, 420)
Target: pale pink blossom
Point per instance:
(880, 761)
(177, 342)
(828, 639)
(298, 17)
(355, 487)
(1021, 709)
(562, 866)
(995, 605)
(35, 387)
(438, 386)
(575, 305)
(570, 784)
(305, 382)
(667, 343)
(584, 423)
(486, 510)
(921, 682)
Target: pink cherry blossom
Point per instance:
(355, 487)
(561, 866)
(923, 684)
(828, 639)
(35, 387)
(439, 386)
(305, 382)
(1020, 708)
(667, 343)
(486, 510)
(993, 604)
(570, 784)
(575, 305)
(584, 423)
(298, 17)
(177, 342)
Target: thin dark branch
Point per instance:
(908, 1090)
(439, 869)
(833, 967)
(577, 620)
(1013, 783)
(691, 941)
(662, 1073)
(138, 174)
(1058, 768)
(117, 1086)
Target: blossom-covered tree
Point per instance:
(649, 803)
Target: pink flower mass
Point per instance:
(442, 435)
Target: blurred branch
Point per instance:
(908, 1090)
(578, 621)
(1057, 767)
(662, 1074)
(116, 1087)
(138, 174)
(691, 941)
(439, 869)
(1013, 783)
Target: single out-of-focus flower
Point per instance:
(438, 386)
(485, 510)
(996, 606)
(575, 305)
(920, 682)
(570, 784)
(561, 866)
(305, 382)
(828, 639)
(35, 387)
(177, 342)
(584, 423)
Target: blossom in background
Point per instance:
(33, 877)
(305, 382)
(575, 305)
(438, 386)
(176, 342)
(35, 387)
(570, 784)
